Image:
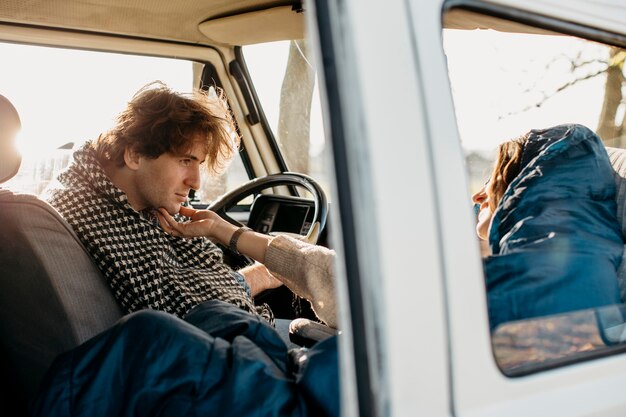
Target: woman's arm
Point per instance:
(207, 223)
(306, 269)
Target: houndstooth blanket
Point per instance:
(144, 266)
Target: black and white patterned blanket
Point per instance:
(144, 266)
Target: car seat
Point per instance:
(52, 296)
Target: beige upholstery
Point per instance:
(618, 160)
(10, 125)
(52, 296)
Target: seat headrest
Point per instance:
(617, 156)
(10, 124)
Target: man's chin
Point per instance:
(172, 209)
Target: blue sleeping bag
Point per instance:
(220, 361)
(555, 238)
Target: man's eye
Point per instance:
(185, 162)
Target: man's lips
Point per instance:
(182, 197)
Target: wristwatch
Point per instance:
(232, 245)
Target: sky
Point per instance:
(37, 85)
(37, 82)
(489, 82)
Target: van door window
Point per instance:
(508, 78)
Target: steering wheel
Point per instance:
(253, 187)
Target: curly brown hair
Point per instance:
(158, 120)
(507, 166)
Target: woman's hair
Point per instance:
(507, 166)
(158, 120)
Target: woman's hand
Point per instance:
(204, 223)
(209, 224)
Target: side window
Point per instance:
(76, 98)
(285, 80)
(554, 284)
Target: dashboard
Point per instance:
(271, 213)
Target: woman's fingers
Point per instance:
(187, 211)
(167, 222)
(165, 218)
(198, 226)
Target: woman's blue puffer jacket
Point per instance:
(555, 237)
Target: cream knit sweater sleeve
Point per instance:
(307, 270)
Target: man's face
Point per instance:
(166, 181)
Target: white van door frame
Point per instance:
(398, 359)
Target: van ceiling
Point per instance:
(171, 20)
(459, 18)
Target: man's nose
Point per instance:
(193, 179)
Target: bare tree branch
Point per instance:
(547, 96)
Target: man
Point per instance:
(151, 159)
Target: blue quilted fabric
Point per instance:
(219, 361)
(555, 238)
